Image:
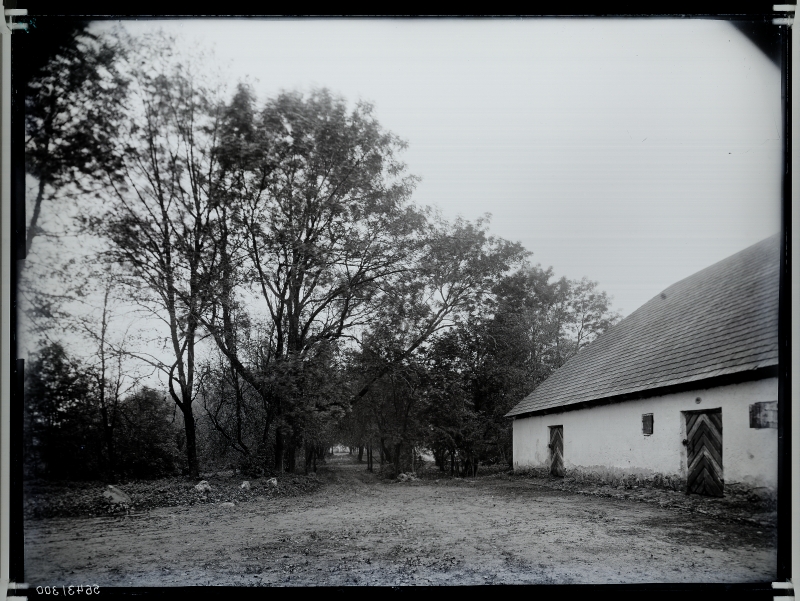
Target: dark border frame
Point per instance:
(757, 12)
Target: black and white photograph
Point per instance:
(401, 302)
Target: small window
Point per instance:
(764, 415)
(647, 424)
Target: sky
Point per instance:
(633, 152)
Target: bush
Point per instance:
(64, 433)
(146, 439)
(62, 430)
(252, 466)
(387, 471)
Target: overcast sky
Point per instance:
(634, 152)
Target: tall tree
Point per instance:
(73, 105)
(109, 364)
(161, 193)
(457, 268)
(456, 271)
(321, 201)
(526, 329)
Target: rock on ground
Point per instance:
(115, 495)
(203, 486)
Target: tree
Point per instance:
(528, 327)
(72, 112)
(457, 427)
(71, 434)
(161, 192)
(73, 100)
(457, 268)
(283, 233)
(589, 314)
(147, 438)
(112, 375)
(62, 433)
(320, 200)
(398, 401)
(452, 277)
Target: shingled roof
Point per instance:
(721, 320)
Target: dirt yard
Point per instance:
(358, 530)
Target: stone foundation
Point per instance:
(735, 491)
(630, 480)
(610, 477)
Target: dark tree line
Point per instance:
(452, 396)
(297, 295)
(68, 435)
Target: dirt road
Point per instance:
(357, 530)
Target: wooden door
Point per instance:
(557, 451)
(704, 452)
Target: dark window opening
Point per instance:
(764, 415)
(647, 424)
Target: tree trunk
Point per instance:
(191, 441)
(397, 457)
(33, 228)
(112, 455)
(440, 459)
(386, 455)
(279, 449)
(360, 453)
(291, 456)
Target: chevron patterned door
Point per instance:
(704, 452)
(557, 451)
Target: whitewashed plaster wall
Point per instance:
(609, 438)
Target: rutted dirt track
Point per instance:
(357, 530)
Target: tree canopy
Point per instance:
(290, 291)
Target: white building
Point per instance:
(683, 391)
